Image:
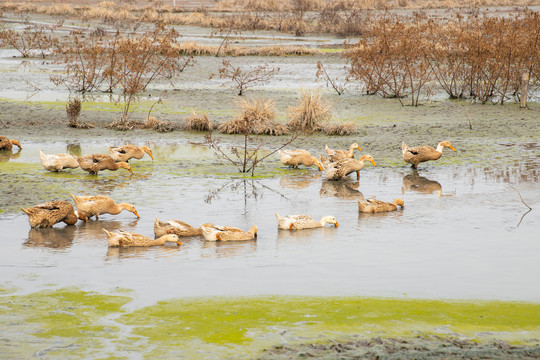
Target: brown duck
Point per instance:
(227, 233)
(338, 170)
(88, 206)
(298, 157)
(47, 214)
(335, 155)
(377, 206)
(57, 162)
(6, 144)
(419, 154)
(177, 227)
(130, 239)
(98, 162)
(127, 152)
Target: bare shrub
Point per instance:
(322, 74)
(73, 110)
(30, 42)
(198, 122)
(246, 78)
(340, 129)
(310, 114)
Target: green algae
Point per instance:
(98, 326)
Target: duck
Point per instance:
(338, 170)
(6, 144)
(127, 152)
(213, 232)
(130, 239)
(47, 214)
(334, 155)
(88, 206)
(58, 162)
(419, 154)
(300, 222)
(377, 206)
(297, 157)
(97, 162)
(177, 227)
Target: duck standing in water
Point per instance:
(419, 154)
(6, 144)
(130, 239)
(88, 206)
(47, 214)
(297, 157)
(58, 162)
(340, 169)
(97, 162)
(127, 152)
(335, 155)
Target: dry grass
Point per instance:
(310, 114)
(194, 49)
(256, 116)
(198, 122)
(340, 129)
(159, 125)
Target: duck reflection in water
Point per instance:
(344, 189)
(93, 229)
(297, 181)
(306, 236)
(6, 155)
(53, 238)
(414, 182)
(217, 249)
(74, 149)
(141, 252)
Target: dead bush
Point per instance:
(73, 109)
(340, 129)
(198, 122)
(310, 114)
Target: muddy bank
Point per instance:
(420, 348)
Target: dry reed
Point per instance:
(256, 116)
(340, 129)
(310, 114)
(198, 122)
(152, 122)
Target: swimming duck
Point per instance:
(300, 222)
(298, 157)
(6, 144)
(98, 162)
(49, 213)
(420, 154)
(338, 170)
(130, 239)
(334, 155)
(88, 206)
(177, 227)
(377, 206)
(57, 162)
(126, 152)
(227, 233)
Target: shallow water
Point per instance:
(462, 233)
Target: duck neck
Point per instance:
(439, 148)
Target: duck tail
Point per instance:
(362, 205)
(26, 211)
(404, 147)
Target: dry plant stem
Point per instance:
(323, 73)
(523, 201)
(246, 78)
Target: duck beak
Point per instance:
(451, 147)
(337, 225)
(152, 156)
(179, 243)
(136, 214)
(373, 162)
(358, 147)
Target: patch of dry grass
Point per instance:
(152, 122)
(256, 116)
(198, 122)
(341, 129)
(310, 114)
(194, 49)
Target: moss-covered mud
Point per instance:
(71, 323)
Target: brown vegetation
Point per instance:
(198, 122)
(259, 114)
(310, 114)
(246, 78)
(478, 57)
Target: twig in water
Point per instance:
(521, 197)
(469, 116)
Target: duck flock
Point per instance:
(337, 165)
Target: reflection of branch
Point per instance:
(523, 201)
(236, 184)
(522, 216)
